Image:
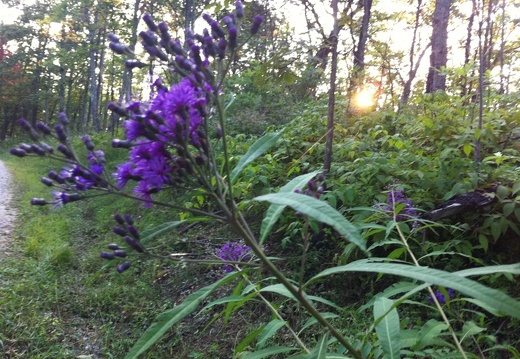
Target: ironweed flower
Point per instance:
(233, 251)
(440, 296)
(397, 199)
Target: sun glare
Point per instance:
(366, 97)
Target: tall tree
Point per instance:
(439, 55)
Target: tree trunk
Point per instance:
(439, 55)
(93, 62)
(332, 90)
(359, 52)
(413, 65)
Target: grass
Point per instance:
(59, 299)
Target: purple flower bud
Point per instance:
(56, 177)
(120, 231)
(120, 253)
(88, 142)
(24, 146)
(46, 147)
(18, 152)
(312, 185)
(119, 219)
(163, 28)
(239, 9)
(149, 22)
(112, 37)
(257, 21)
(60, 133)
(112, 106)
(176, 47)
(121, 268)
(207, 18)
(195, 55)
(38, 202)
(29, 129)
(63, 119)
(222, 44)
(43, 128)
(70, 197)
(132, 64)
(119, 48)
(38, 150)
(149, 38)
(129, 219)
(65, 151)
(217, 30)
(233, 32)
(228, 20)
(113, 246)
(297, 190)
(107, 255)
(47, 181)
(121, 143)
(134, 244)
(133, 231)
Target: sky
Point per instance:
(7, 14)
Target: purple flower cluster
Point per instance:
(166, 135)
(397, 201)
(440, 296)
(233, 251)
(74, 177)
(166, 140)
(125, 229)
(314, 188)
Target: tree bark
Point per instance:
(439, 55)
(332, 90)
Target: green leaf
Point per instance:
(248, 339)
(311, 321)
(490, 297)
(274, 211)
(467, 149)
(278, 289)
(151, 233)
(509, 208)
(388, 327)
(228, 299)
(318, 210)
(166, 320)
(469, 329)
(318, 352)
(256, 150)
(430, 330)
(270, 329)
(505, 268)
(264, 353)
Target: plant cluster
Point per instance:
(171, 148)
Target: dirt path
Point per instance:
(7, 212)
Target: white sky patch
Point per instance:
(8, 15)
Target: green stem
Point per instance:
(251, 241)
(430, 290)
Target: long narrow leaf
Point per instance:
(264, 353)
(318, 210)
(490, 297)
(274, 211)
(256, 150)
(388, 327)
(270, 329)
(430, 331)
(169, 318)
(151, 233)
